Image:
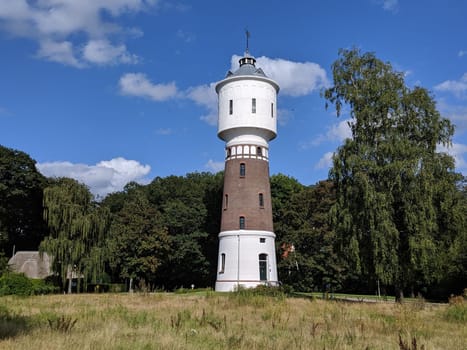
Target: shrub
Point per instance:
(456, 312)
(16, 283)
(40, 287)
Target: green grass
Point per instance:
(209, 320)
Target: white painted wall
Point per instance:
(242, 249)
(241, 91)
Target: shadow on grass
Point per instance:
(12, 325)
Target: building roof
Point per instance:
(247, 67)
(31, 264)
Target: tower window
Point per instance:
(272, 109)
(253, 105)
(258, 151)
(222, 269)
(230, 106)
(261, 200)
(242, 169)
(226, 201)
(262, 240)
(263, 267)
(242, 222)
(229, 152)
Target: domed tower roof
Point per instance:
(247, 67)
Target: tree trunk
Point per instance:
(399, 295)
(69, 285)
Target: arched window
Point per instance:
(242, 222)
(263, 267)
(272, 109)
(242, 169)
(253, 105)
(230, 106)
(261, 200)
(258, 151)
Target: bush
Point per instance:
(42, 287)
(19, 284)
(15, 283)
(457, 310)
(456, 313)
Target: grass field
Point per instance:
(209, 320)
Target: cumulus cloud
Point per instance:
(336, 132)
(60, 52)
(294, 78)
(205, 95)
(103, 52)
(456, 87)
(456, 113)
(214, 166)
(102, 178)
(137, 84)
(55, 23)
(325, 161)
(459, 152)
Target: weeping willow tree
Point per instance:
(77, 228)
(391, 182)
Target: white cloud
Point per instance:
(61, 52)
(456, 113)
(59, 22)
(185, 36)
(205, 95)
(137, 84)
(390, 5)
(284, 116)
(459, 152)
(462, 53)
(214, 166)
(336, 132)
(103, 178)
(457, 87)
(325, 161)
(103, 52)
(294, 78)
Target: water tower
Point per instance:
(247, 122)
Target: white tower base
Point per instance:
(247, 259)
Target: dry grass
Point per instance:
(212, 321)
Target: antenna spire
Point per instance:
(247, 33)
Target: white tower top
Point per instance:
(247, 104)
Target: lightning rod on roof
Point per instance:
(247, 51)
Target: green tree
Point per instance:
(138, 242)
(388, 175)
(77, 230)
(21, 185)
(183, 203)
(306, 257)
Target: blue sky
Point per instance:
(111, 91)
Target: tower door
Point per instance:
(263, 267)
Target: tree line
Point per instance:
(392, 213)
